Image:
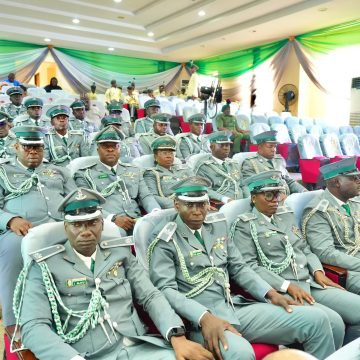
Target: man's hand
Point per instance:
(324, 281)
(280, 300)
(299, 295)
(125, 222)
(19, 226)
(213, 329)
(189, 350)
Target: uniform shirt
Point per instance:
(113, 94)
(189, 144)
(193, 86)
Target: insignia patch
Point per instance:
(113, 271)
(80, 195)
(103, 176)
(296, 230)
(219, 243)
(76, 282)
(19, 175)
(129, 174)
(270, 233)
(195, 253)
(49, 172)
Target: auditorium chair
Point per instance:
(330, 146)
(346, 130)
(350, 146)
(297, 202)
(292, 121)
(316, 131)
(275, 119)
(311, 158)
(240, 157)
(331, 129)
(243, 121)
(142, 237)
(255, 129)
(258, 119)
(296, 131)
(147, 161)
(81, 162)
(308, 123)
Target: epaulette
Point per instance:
(4, 161)
(355, 199)
(182, 135)
(283, 210)
(123, 241)
(214, 217)
(278, 156)
(45, 253)
(76, 132)
(251, 156)
(247, 217)
(167, 231)
(11, 135)
(180, 166)
(51, 132)
(89, 165)
(128, 165)
(45, 160)
(322, 205)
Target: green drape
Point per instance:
(238, 62)
(331, 38)
(7, 46)
(120, 64)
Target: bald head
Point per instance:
(288, 354)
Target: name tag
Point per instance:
(103, 176)
(270, 233)
(76, 282)
(195, 253)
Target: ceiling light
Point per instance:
(201, 13)
(150, 33)
(111, 49)
(75, 21)
(47, 39)
(117, 1)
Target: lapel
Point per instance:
(334, 203)
(264, 222)
(78, 264)
(101, 261)
(265, 163)
(185, 233)
(207, 235)
(101, 169)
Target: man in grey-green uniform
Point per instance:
(272, 244)
(191, 260)
(161, 122)
(331, 221)
(121, 184)
(79, 120)
(266, 159)
(34, 110)
(144, 125)
(7, 138)
(15, 107)
(115, 109)
(193, 142)
(222, 172)
(161, 178)
(96, 283)
(29, 190)
(63, 145)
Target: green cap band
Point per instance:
(81, 204)
(339, 171)
(261, 183)
(186, 189)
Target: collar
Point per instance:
(338, 201)
(196, 138)
(110, 167)
(21, 165)
(63, 136)
(193, 231)
(86, 259)
(258, 213)
(218, 161)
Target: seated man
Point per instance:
(132, 99)
(266, 159)
(331, 221)
(115, 110)
(191, 260)
(222, 172)
(227, 122)
(272, 245)
(161, 178)
(34, 110)
(63, 145)
(7, 138)
(121, 184)
(15, 107)
(144, 125)
(193, 142)
(92, 315)
(161, 122)
(79, 121)
(29, 190)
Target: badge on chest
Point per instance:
(76, 282)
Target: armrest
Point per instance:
(216, 203)
(23, 354)
(336, 274)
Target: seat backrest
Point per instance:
(307, 122)
(275, 119)
(321, 122)
(316, 131)
(259, 119)
(292, 121)
(143, 98)
(180, 108)
(330, 145)
(346, 130)
(309, 147)
(193, 160)
(282, 133)
(296, 131)
(240, 157)
(257, 128)
(235, 208)
(144, 228)
(298, 201)
(243, 121)
(50, 234)
(81, 162)
(167, 107)
(331, 130)
(147, 161)
(36, 92)
(350, 144)
(4, 99)
(357, 130)
(67, 101)
(125, 115)
(20, 118)
(188, 111)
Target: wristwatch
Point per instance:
(114, 218)
(178, 331)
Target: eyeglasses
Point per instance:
(271, 195)
(355, 178)
(200, 205)
(28, 148)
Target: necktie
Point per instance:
(347, 208)
(273, 221)
(113, 171)
(270, 163)
(37, 122)
(2, 142)
(198, 236)
(64, 140)
(224, 166)
(198, 140)
(31, 170)
(92, 265)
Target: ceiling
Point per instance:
(179, 33)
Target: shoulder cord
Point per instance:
(22, 189)
(110, 189)
(56, 159)
(254, 164)
(268, 264)
(354, 246)
(158, 182)
(202, 280)
(89, 317)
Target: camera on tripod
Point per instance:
(206, 92)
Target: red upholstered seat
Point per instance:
(140, 113)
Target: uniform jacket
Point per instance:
(187, 145)
(143, 125)
(7, 149)
(13, 110)
(43, 122)
(145, 140)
